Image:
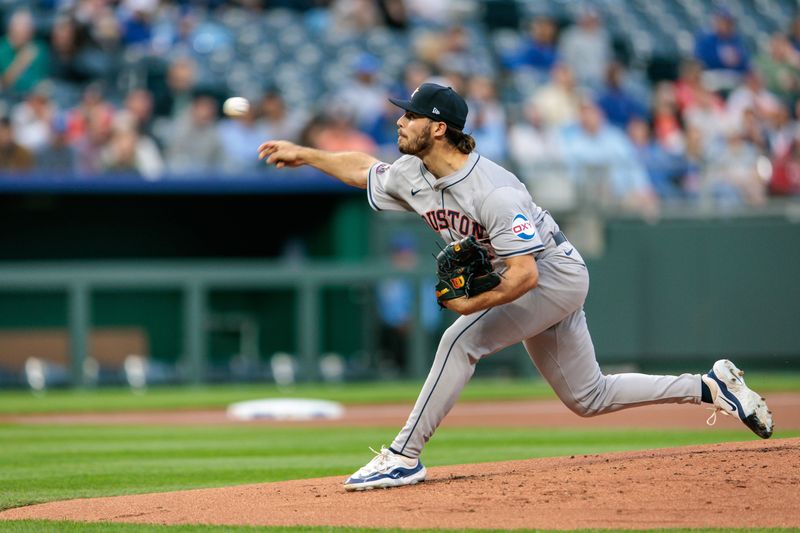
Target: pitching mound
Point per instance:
(741, 484)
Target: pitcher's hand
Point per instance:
(281, 154)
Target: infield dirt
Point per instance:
(744, 484)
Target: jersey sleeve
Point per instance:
(508, 216)
(380, 181)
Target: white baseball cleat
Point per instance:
(732, 397)
(387, 469)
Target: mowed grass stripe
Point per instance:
(219, 396)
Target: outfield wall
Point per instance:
(673, 294)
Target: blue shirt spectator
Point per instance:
(538, 50)
(136, 21)
(722, 48)
(618, 103)
(486, 120)
(602, 159)
(665, 170)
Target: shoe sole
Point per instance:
(388, 483)
(760, 420)
(757, 420)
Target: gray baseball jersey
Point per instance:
(482, 199)
(485, 200)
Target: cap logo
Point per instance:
(415, 92)
(435, 111)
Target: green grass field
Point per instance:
(122, 399)
(46, 463)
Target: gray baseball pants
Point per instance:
(550, 321)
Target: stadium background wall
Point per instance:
(663, 294)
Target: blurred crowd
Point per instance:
(557, 102)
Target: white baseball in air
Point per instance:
(236, 106)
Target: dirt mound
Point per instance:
(719, 485)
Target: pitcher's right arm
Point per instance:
(351, 168)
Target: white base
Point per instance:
(285, 409)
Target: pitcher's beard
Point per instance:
(420, 145)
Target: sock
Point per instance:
(408, 460)
(705, 393)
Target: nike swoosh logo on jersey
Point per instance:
(570, 251)
(414, 192)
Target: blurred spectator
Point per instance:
(731, 176)
(557, 101)
(414, 75)
(457, 54)
(96, 123)
(193, 145)
(396, 305)
(33, 118)
(722, 51)
(136, 22)
(706, 113)
(354, 17)
(14, 158)
(754, 132)
(779, 66)
(794, 32)
(781, 131)
(92, 107)
(280, 122)
(695, 156)
(665, 170)
(384, 131)
(617, 102)
(173, 30)
(128, 152)
(536, 155)
(667, 127)
(139, 105)
(751, 95)
(429, 13)
(603, 161)
(59, 157)
(586, 48)
(71, 59)
(336, 132)
(785, 179)
(689, 84)
(104, 28)
(538, 49)
(486, 120)
(177, 95)
(531, 145)
(363, 95)
(394, 13)
(23, 59)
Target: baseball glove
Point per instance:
(464, 269)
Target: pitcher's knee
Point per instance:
(591, 402)
(581, 409)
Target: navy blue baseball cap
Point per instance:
(437, 103)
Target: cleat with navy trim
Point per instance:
(387, 469)
(732, 397)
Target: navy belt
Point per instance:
(559, 238)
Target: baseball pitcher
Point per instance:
(510, 273)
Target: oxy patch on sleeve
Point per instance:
(523, 228)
